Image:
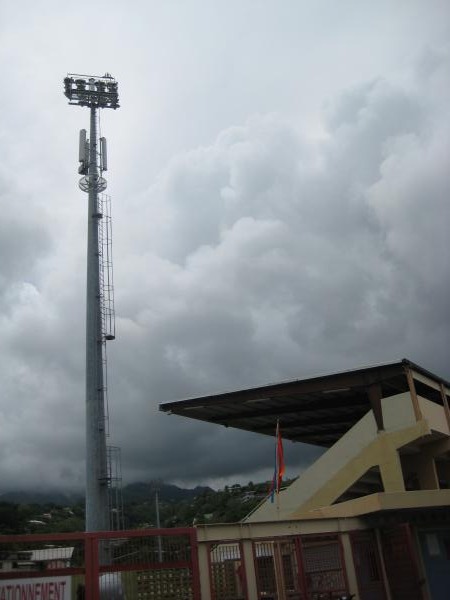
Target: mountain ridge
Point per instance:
(133, 492)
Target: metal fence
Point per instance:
(227, 572)
(159, 564)
(308, 567)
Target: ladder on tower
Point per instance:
(106, 268)
(106, 291)
(108, 332)
(115, 497)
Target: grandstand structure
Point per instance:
(369, 517)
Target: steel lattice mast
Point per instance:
(96, 93)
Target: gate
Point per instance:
(435, 545)
(309, 567)
(227, 571)
(160, 564)
(367, 565)
(278, 569)
(401, 563)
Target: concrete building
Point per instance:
(40, 560)
(370, 517)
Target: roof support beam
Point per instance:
(445, 403)
(374, 393)
(412, 391)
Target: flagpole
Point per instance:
(280, 466)
(278, 470)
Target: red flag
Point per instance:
(280, 459)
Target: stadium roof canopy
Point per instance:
(317, 410)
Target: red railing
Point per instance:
(138, 564)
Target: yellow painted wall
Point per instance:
(352, 456)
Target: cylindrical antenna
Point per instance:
(103, 154)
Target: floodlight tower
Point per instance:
(95, 93)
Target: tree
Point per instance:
(11, 518)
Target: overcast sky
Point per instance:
(279, 173)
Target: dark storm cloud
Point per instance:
(309, 257)
(294, 243)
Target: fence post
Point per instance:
(195, 565)
(92, 578)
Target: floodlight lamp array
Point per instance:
(87, 90)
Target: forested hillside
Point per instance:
(178, 507)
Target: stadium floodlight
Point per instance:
(92, 91)
(96, 93)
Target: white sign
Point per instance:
(433, 544)
(39, 588)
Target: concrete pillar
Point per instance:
(250, 572)
(444, 471)
(203, 565)
(391, 469)
(349, 564)
(427, 472)
(279, 571)
(423, 466)
(383, 566)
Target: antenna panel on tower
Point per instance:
(103, 154)
(82, 148)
